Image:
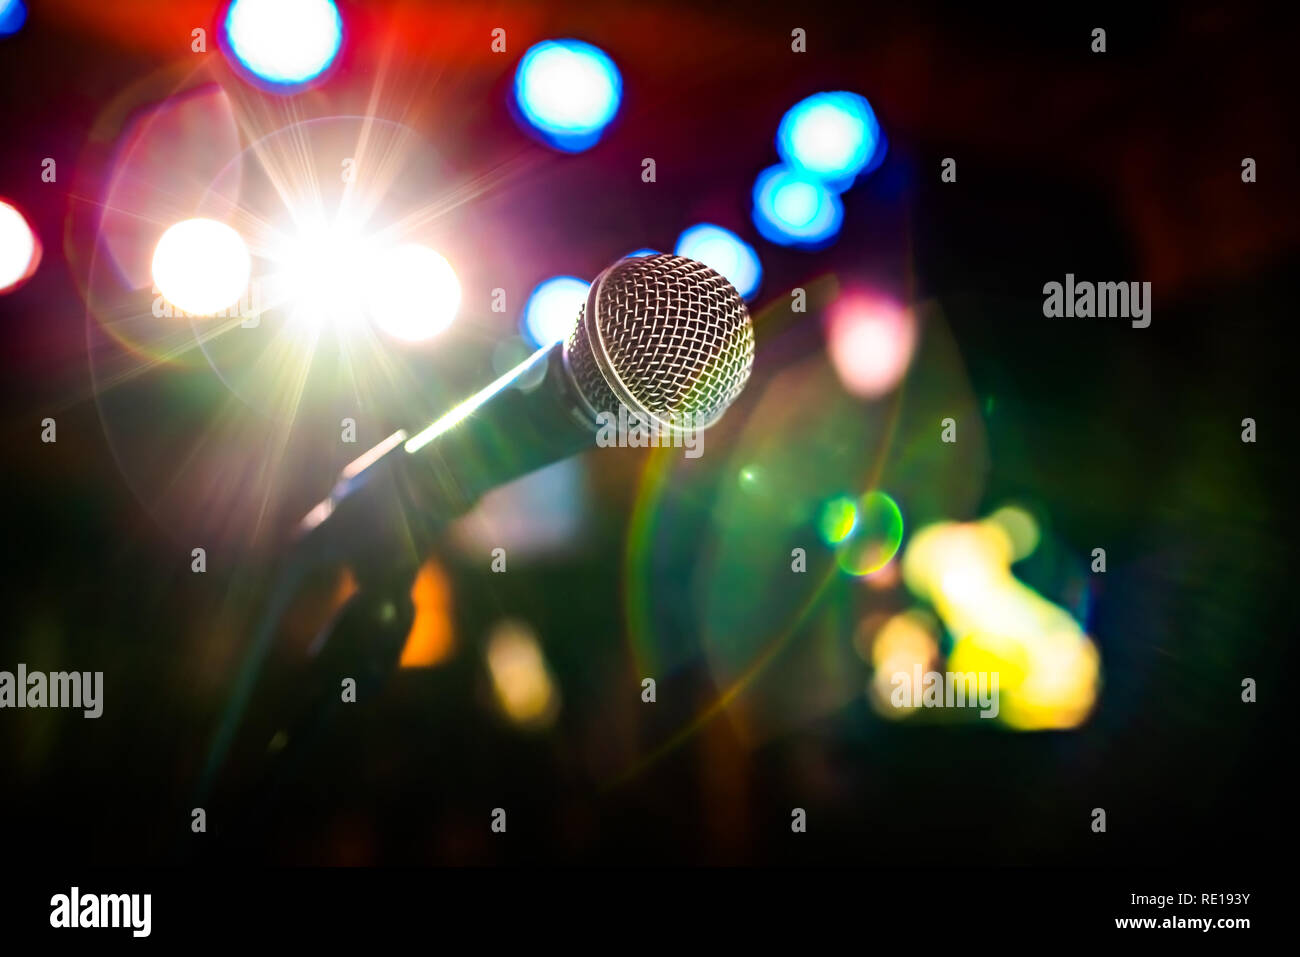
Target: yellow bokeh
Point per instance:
(1048, 669)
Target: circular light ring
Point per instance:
(830, 136)
(284, 44)
(792, 208)
(20, 248)
(568, 91)
(876, 536)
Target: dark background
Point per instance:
(1125, 165)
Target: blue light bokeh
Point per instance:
(832, 137)
(552, 309)
(285, 44)
(792, 208)
(724, 252)
(13, 14)
(568, 91)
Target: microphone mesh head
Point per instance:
(664, 335)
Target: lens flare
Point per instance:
(877, 533)
(309, 330)
(19, 249)
(830, 136)
(201, 266)
(794, 209)
(725, 253)
(325, 273)
(168, 155)
(568, 91)
(552, 309)
(415, 292)
(838, 519)
(287, 43)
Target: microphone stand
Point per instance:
(387, 512)
(381, 544)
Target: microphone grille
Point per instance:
(667, 336)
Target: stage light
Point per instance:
(431, 637)
(568, 91)
(524, 689)
(725, 253)
(552, 309)
(1020, 528)
(870, 340)
(201, 266)
(1049, 669)
(904, 641)
(328, 273)
(830, 136)
(415, 292)
(794, 209)
(20, 251)
(287, 43)
(13, 14)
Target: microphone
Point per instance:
(666, 337)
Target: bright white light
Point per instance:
(724, 252)
(414, 292)
(17, 247)
(331, 274)
(552, 309)
(325, 274)
(569, 91)
(201, 266)
(285, 42)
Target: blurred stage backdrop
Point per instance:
(486, 161)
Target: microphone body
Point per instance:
(513, 433)
(392, 496)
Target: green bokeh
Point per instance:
(875, 538)
(838, 518)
